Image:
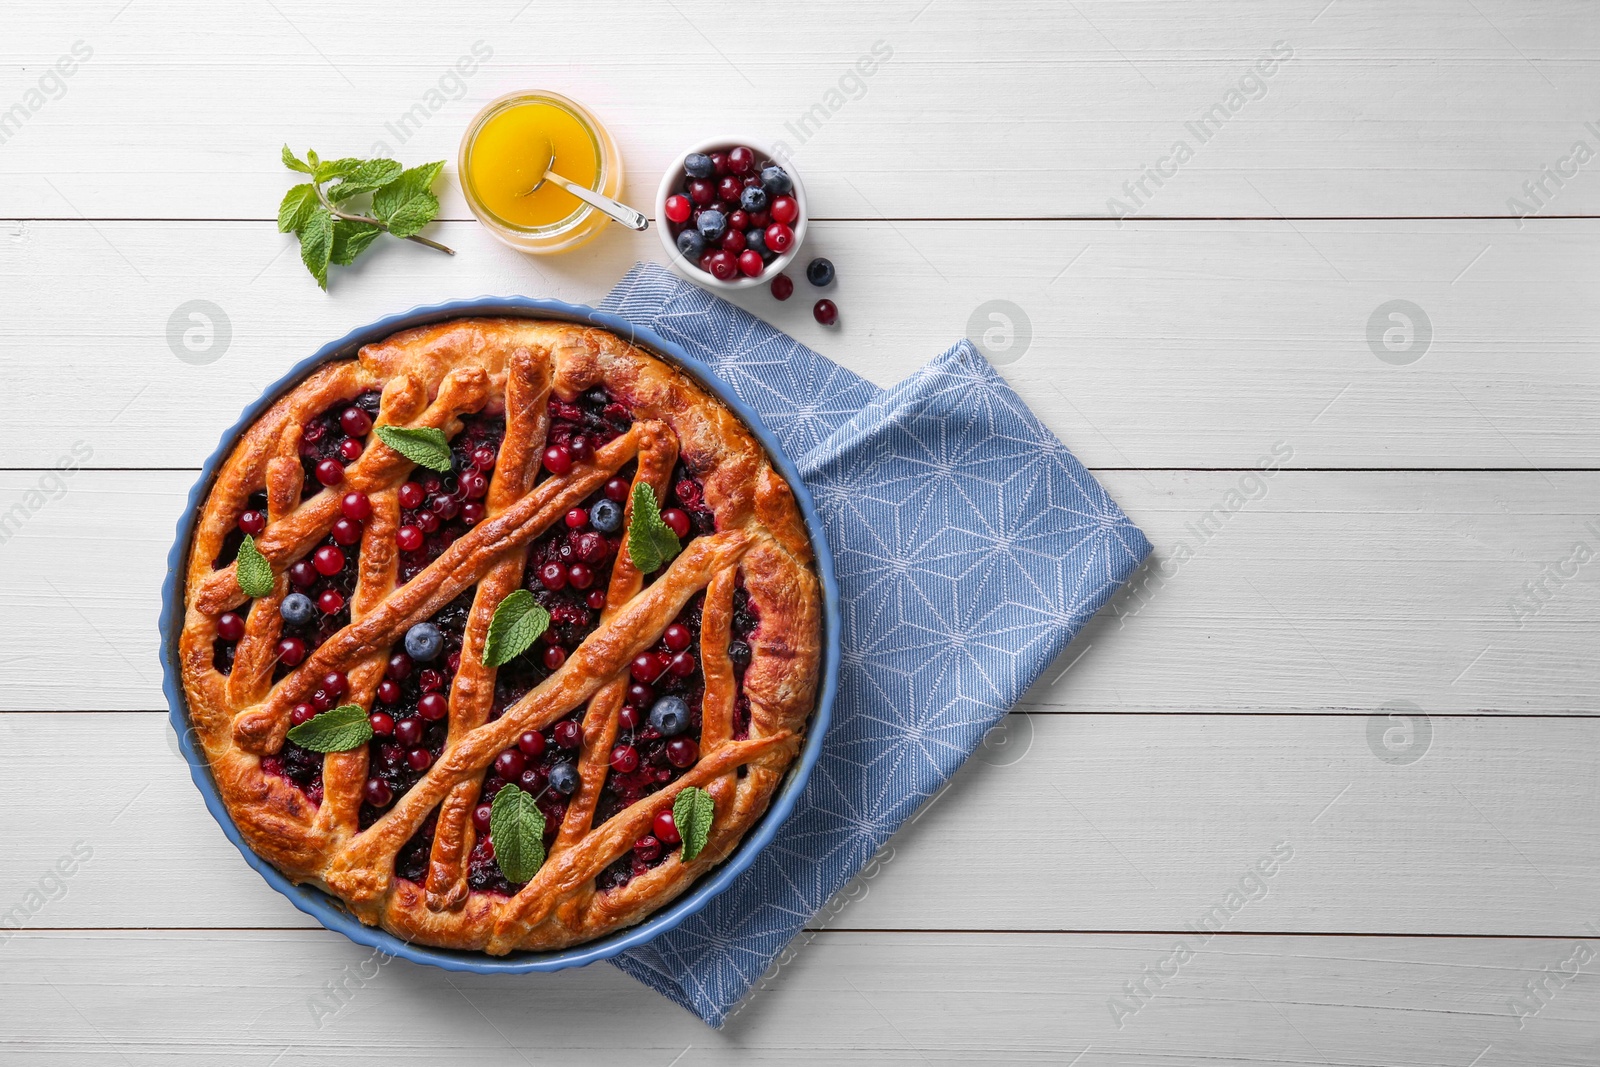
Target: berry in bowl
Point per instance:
(730, 216)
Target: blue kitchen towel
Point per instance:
(970, 547)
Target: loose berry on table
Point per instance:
(825, 312)
(820, 272)
(782, 287)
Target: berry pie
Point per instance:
(503, 632)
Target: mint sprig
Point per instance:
(402, 204)
(339, 730)
(516, 829)
(423, 445)
(517, 624)
(651, 542)
(692, 813)
(253, 572)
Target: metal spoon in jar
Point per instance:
(546, 159)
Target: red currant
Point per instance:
(782, 287)
(253, 522)
(677, 208)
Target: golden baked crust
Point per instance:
(431, 377)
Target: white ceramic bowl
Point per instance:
(672, 182)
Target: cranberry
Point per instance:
(666, 829)
(624, 759)
(568, 733)
(350, 449)
(336, 683)
(474, 485)
(554, 656)
(741, 159)
(303, 574)
(738, 220)
(426, 521)
(230, 626)
(825, 312)
(346, 532)
(291, 651)
(389, 691)
(591, 548)
(472, 513)
(399, 667)
(577, 518)
(682, 665)
(579, 576)
(453, 661)
(356, 506)
(483, 457)
(628, 717)
(677, 209)
(733, 242)
(330, 472)
(531, 743)
(702, 192)
(302, 713)
(682, 752)
(328, 560)
(640, 695)
(431, 482)
(581, 448)
(509, 764)
(322, 700)
(391, 755)
(729, 189)
(779, 237)
(677, 520)
(760, 220)
(329, 601)
(355, 422)
(677, 637)
(409, 732)
(446, 507)
(595, 598)
(648, 848)
(411, 495)
(377, 793)
(531, 780)
(480, 817)
(751, 264)
(553, 576)
(409, 538)
(646, 668)
(419, 759)
(433, 706)
(557, 460)
(782, 287)
(382, 723)
(785, 209)
(253, 522)
(722, 266)
(313, 431)
(430, 680)
(618, 489)
(719, 163)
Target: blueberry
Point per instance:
(756, 238)
(775, 180)
(753, 198)
(712, 224)
(424, 642)
(606, 516)
(697, 165)
(564, 779)
(820, 272)
(669, 716)
(691, 245)
(297, 609)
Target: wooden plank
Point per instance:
(1029, 109)
(1156, 345)
(131, 996)
(1076, 823)
(1318, 592)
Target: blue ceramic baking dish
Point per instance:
(330, 911)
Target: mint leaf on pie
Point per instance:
(692, 813)
(252, 571)
(316, 244)
(516, 829)
(651, 542)
(423, 445)
(517, 624)
(338, 730)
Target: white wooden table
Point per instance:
(1233, 710)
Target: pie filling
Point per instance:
(568, 572)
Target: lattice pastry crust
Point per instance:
(440, 376)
